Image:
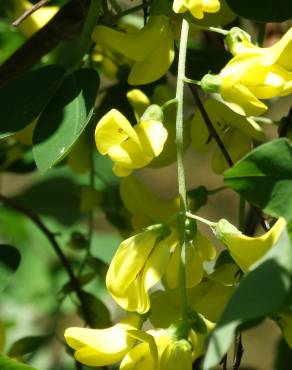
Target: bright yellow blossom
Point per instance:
(256, 73)
(196, 7)
(151, 48)
(101, 347)
(246, 250)
(129, 147)
(138, 265)
(198, 250)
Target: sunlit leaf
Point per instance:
(65, 118)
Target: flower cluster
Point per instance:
(157, 263)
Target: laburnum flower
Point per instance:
(162, 94)
(172, 352)
(129, 147)
(151, 49)
(256, 73)
(198, 250)
(139, 263)
(145, 207)
(246, 250)
(101, 347)
(196, 7)
(235, 131)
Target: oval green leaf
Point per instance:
(263, 291)
(65, 118)
(264, 178)
(24, 98)
(262, 10)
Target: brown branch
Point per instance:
(209, 125)
(64, 26)
(238, 353)
(9, 203)
(287, 122)
(30, 11)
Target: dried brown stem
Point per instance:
(30, 11)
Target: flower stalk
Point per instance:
(180, 164)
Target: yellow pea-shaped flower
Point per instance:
(151, 49)
(139, 263)
(129, 147)
(196, 7)
(246, 250)
(102, 347)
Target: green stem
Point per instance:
(211, 29)
(180, 164)
(168, 103)
(190, 81)
(201, 219)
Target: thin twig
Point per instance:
(209, 125)
(223, 362)
(9, 203)
(30, 11)
(238, 353)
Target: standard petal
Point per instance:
(152, 136)
(113, 129)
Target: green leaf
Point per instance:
(262, 291)
(7, 363)
(283, 355)
(264, 178)
(9, 262)
(27, 345)
(262, 10)
(24, 98)
(98, 310)
(65, 118)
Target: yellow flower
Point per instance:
(198, 250)
(162, 93)
(129, 147)
(145, 207)
(235, 131)
(101, 347)
(256, 73)
(246, 250)
(172, 352)
(151, 48)
(138, 265)
(35, 21)
(196, 7)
